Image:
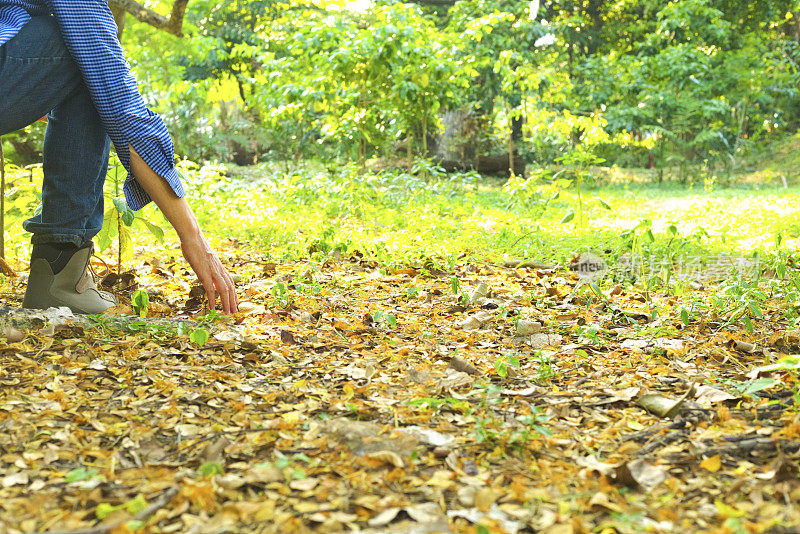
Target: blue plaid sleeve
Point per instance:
(90, 33)
(14, 14)
(12, 18)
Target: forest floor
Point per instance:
(454, 394)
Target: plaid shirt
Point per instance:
(90, 34)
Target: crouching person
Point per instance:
(62, 59)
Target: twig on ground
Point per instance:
(522, 264)
(653, 446)
(648, 432)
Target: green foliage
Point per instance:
(753, 387)
(134, 506)
(790, 365)
(440, 404)
(140, 301)
(502, 363)
(119, 220)
(81, 474)
(544, 370)
(693, 84)
(740, 299)
(199, 336)
(688, 74)
(209, 469)
(22, 200)
(579, 161)
(493, 432)
(385, 318)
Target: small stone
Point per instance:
(466, 495)
(538, 341)
(744, 346)
(458, 363)
(528, 328)
(337, 302)
(388, 457)
(251, 308)
(302, 316)
(470, 468)
(470, 323)
(473, 322)
(478, 293)
(441, 452)
(429, 436)
(12, 334)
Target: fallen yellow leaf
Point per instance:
(712, 464)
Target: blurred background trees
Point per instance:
(676, 86)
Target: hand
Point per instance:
(204, 262)
(212, 274)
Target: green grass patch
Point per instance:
(400, 217)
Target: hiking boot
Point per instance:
(72, 285)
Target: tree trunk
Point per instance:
(119, 19)
(595, 12)
(425, 135)
(511, 150)
(514, 140)
(27, 152)
(458, 139)
(410, 159)
(457, 146)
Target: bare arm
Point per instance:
(204, 262)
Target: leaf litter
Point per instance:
(348, 397)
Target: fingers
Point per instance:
(214, 277)
(221, 283)
(211, 294)
(233, 302)
(225, 288)
(225, 298)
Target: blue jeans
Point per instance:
(38, 77)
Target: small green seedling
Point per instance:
(199, 336)
(140, 301)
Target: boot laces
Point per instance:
(95, 275)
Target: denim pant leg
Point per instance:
(38, 77)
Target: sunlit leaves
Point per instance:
(119, 218)
(126, 214)
(199, 336)
(134, 506)
(502, 364)
(209, 469)
(80, 474)
(140, 302)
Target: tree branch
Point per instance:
(172, 24)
